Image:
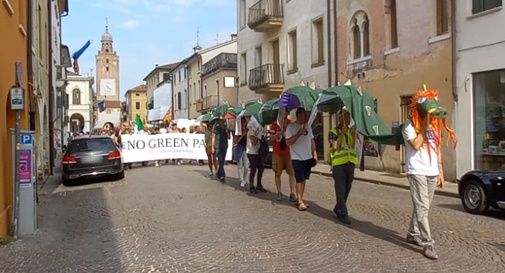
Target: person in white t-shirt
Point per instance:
(422, 136)
(254, 134)
(302, 150)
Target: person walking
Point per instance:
(302, 150)
(254, 135)
(211, 156)
(240, 150)
(220, 146)
(281, 160)
(343, 161)
(422, 136)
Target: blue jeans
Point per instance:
(221, 155)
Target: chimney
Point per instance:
(233, 36)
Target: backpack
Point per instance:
(264, 149)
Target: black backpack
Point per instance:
(264, 149)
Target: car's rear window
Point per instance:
(91, 145)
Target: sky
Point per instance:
(146, 32)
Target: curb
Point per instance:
(437, 192)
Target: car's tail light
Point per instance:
(69, 159)
(114, 155)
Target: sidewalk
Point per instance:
(390, 179)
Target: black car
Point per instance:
(481, 189)
(91, 156)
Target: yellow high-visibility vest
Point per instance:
(346, 153)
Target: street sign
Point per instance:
(17, 98)
(26, 139)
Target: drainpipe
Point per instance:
(335, 26)
(328, 26)
(454, 55)
(50, 91)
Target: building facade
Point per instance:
(195, 65)
(14, 22)
(391, 51)
(80, 110)
(218, 78)
(281, 44)
(480, 85)
(136, 103)
(107, 84)
(180, 87)
(159, 74)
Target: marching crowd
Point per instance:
(294, 151)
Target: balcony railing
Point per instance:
(268, 77)
(223, 60)
(265, 14)
(207, 103)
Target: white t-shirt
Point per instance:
(421, 162)
(250, 148)
(302, 148)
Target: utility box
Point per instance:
(27, 221)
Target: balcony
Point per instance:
(221, 61)
(267, 78)
(265, 15)
(206, 104)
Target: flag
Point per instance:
(79, 52)
(138, 122)
(101, 106)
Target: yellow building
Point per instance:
(13, 19)
(136, 103)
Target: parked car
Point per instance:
(481, 189)
(91, 156)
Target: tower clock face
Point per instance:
(107, 87)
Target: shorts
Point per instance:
(282, 162)
(302, 170)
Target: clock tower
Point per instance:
(107, 83)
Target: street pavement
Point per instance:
(175, 219)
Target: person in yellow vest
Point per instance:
(343, 160)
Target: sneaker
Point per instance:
(429, 252)
(261, 189)
(279, 196)
(415, 240)
(292, 197)
(344, 219)
(211, 174)
(242, 184)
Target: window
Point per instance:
(242, 13)
(243, 68)
(360, 35)
(258, 59)
(185, 99)
(292, 52)
(356, 35)
(106, 60)
(166, 76)
(442, 17)
(137, 105)
(317, 42)
(483, 5)
(179, 76)
(205, 89)
(393, 27)
(137, 95)
(76, 97)
(489, 120)
(107, 69)
(179, 101)
(200, 87)
(185, 72)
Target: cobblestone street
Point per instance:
(174, 219)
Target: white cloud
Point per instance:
(130, 24)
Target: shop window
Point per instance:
(489, 107)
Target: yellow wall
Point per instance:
(17, 51)
(133, 99)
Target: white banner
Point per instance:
(137, 148)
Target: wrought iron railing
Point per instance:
(265, 75)
(264, 10)
(223, 60)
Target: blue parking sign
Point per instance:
(26, 139)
